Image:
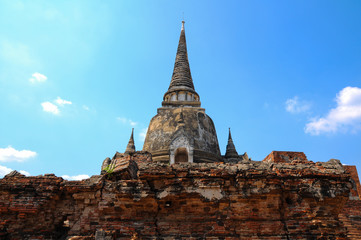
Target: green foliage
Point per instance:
(109, 169)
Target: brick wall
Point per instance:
(351, 213)
(255, 200)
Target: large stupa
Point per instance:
(182, 131)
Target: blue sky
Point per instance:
(76, 76)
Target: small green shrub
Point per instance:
(109, 169)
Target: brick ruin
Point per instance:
(285, 196)
(181, 187)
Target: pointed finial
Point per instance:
(231, 151)
(181, 77)
(131, 147)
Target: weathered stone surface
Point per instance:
(196, 132)
(286, 157)
(255, 200)
(125, 166)
(355, 193)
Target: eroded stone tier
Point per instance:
(142, 199)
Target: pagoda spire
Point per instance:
(130, 147)
(181, 77)
(181, 88)
(231, 151)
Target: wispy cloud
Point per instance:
(127, 121)
(62, 102)
(143, 134)
(50, 107)
(295, 105)
(85, 107)
(346, 116)
(54, 107)
(10, 154)
(75, 178)
(38, 77)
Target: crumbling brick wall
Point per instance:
(255, 200)
(351, 212)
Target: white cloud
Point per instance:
(38, 77)
(24, 172)
(5, 170)
(50, 107)
(86, 108)
(76, 178)
(143, 134)
(10, 154)
(54, 109)
(62, 102)
(127, 121)
(345, 116)
(294, 105)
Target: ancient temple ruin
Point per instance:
(181, 187)
(182, 131)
